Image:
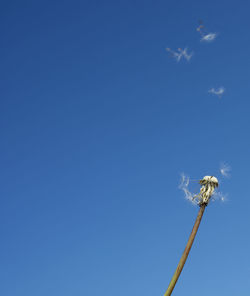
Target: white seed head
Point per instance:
(209, 179)
(209, 183)
(207, 192)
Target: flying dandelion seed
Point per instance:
(209, 37)
(225, 170)
(180, 53)
(218, 92)
(219, 196)
(205, 35)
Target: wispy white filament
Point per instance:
(219, 196)
(210, 37)
(186, 55)
(218, 92)
(180, 53)
(225, 170)
(184, 187)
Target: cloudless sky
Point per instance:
(97, 124)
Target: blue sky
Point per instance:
(97, 124)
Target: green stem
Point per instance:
(186, 251)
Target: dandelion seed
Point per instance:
(218, 92)
(225, 170)
(205, 35)
(209, 37)
(220, 196)
(180, 53)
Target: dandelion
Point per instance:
(208, 186)
(209, 183)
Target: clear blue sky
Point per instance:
(97, 123)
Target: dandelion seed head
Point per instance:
(209, 190)
(208, 185)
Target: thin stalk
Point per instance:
(186, 251)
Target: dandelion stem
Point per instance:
(186, 251)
